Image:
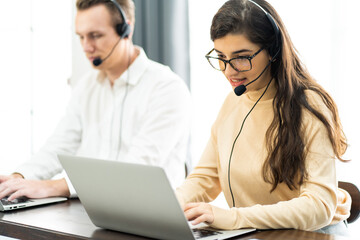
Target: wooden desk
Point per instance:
(68, 220)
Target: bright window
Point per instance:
(35, 47)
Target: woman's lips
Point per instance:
(235, 82)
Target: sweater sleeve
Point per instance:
(202, 185)
(316, 204)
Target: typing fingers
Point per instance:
(14, 188)
(17, 194)
(199, 212)
(7, 188)
(190, 206)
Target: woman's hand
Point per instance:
(198, 213)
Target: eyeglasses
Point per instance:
(239, 64)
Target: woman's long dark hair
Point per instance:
(284, 138)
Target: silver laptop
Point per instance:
(24, 202)
(133, 198)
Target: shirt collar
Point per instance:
(133, 74)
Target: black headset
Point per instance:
(274, 50)
(122, 29)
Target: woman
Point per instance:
(273, 148)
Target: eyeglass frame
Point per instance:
(207, 56)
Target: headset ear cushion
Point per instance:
(119, 29)
(123, 30)
(272, 50)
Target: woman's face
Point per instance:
(235, 45)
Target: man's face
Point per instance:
(97, 33)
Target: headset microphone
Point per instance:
(239, 90)
(97, 61)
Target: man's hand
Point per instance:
(4, 178)
(15, 186)
(199, 212)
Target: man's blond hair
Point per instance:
(127, 6)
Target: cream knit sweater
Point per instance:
(313, 205)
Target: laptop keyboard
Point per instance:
(5, 202)
(203, 232)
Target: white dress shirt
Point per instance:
(143, 118)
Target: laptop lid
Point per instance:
(131, 198)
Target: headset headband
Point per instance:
(275, 51)
(123, 29)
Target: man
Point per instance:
(130, 109)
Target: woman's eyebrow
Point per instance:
(235, 52)
(241, 51)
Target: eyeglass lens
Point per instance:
(239, 64)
